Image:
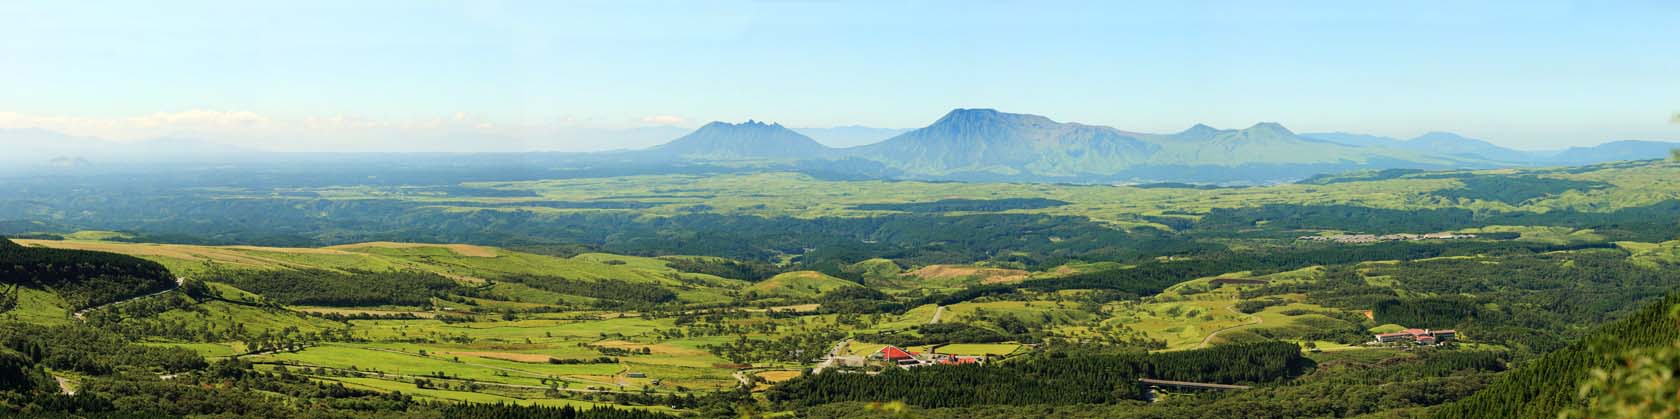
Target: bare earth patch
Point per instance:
(507, 356)
(986, 275)
(459, 249)
(777, 376)
(656, 348)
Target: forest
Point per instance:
(1053, 379)
(84, 279)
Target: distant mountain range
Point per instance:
(964, 145)
(985, 144)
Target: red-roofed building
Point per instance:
(1395, 337)
(892, 353)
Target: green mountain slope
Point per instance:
(1550, 384)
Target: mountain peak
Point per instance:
(1198, 132)
(1271, 128)
(749, 124)
(750, 139)
(961, 117)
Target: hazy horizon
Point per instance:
(376, 76)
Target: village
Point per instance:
(1372, 238)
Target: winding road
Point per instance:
(1233, 308)
(83, 312)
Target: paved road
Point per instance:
(829, 360)
(80, 313)
(1233, 308)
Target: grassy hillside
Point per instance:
(800, 284)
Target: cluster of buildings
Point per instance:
(1372, 238)
(907, 359)
(1418, 336)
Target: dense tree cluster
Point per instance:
(1550, 384)
(1346, 389)
(1650, 223)
(354, 288)
(747, 271)
(1513, 189)
(82, 278)
(615, 290)
(1054, 379)
(954, 205)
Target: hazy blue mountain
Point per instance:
(1361, 140)
(985, 144)
(1269, 143)
(850, 135)
(38, 147)
(985, 140)
(1614, 151)
(1458, 145)
(748, 140)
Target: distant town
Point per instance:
(1372, 238)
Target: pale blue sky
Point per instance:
(1529, 74)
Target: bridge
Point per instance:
(1188, 384)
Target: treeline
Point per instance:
(1152, 276)
(859, 300)
(938, 333)
(953, 205)
(1513, 189)
(1405, 383)
(83, 278)
(1035, 240)
(747, 271)
(504, 411)
(1550, 384)
(350, 288)
(1050, 379)
(89, 350)
(1651, 223)
(602, 288)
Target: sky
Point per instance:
(577, 75)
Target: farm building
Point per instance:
(900, 357)
(1419, 336)
(959, 360)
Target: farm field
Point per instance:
(671, 332)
